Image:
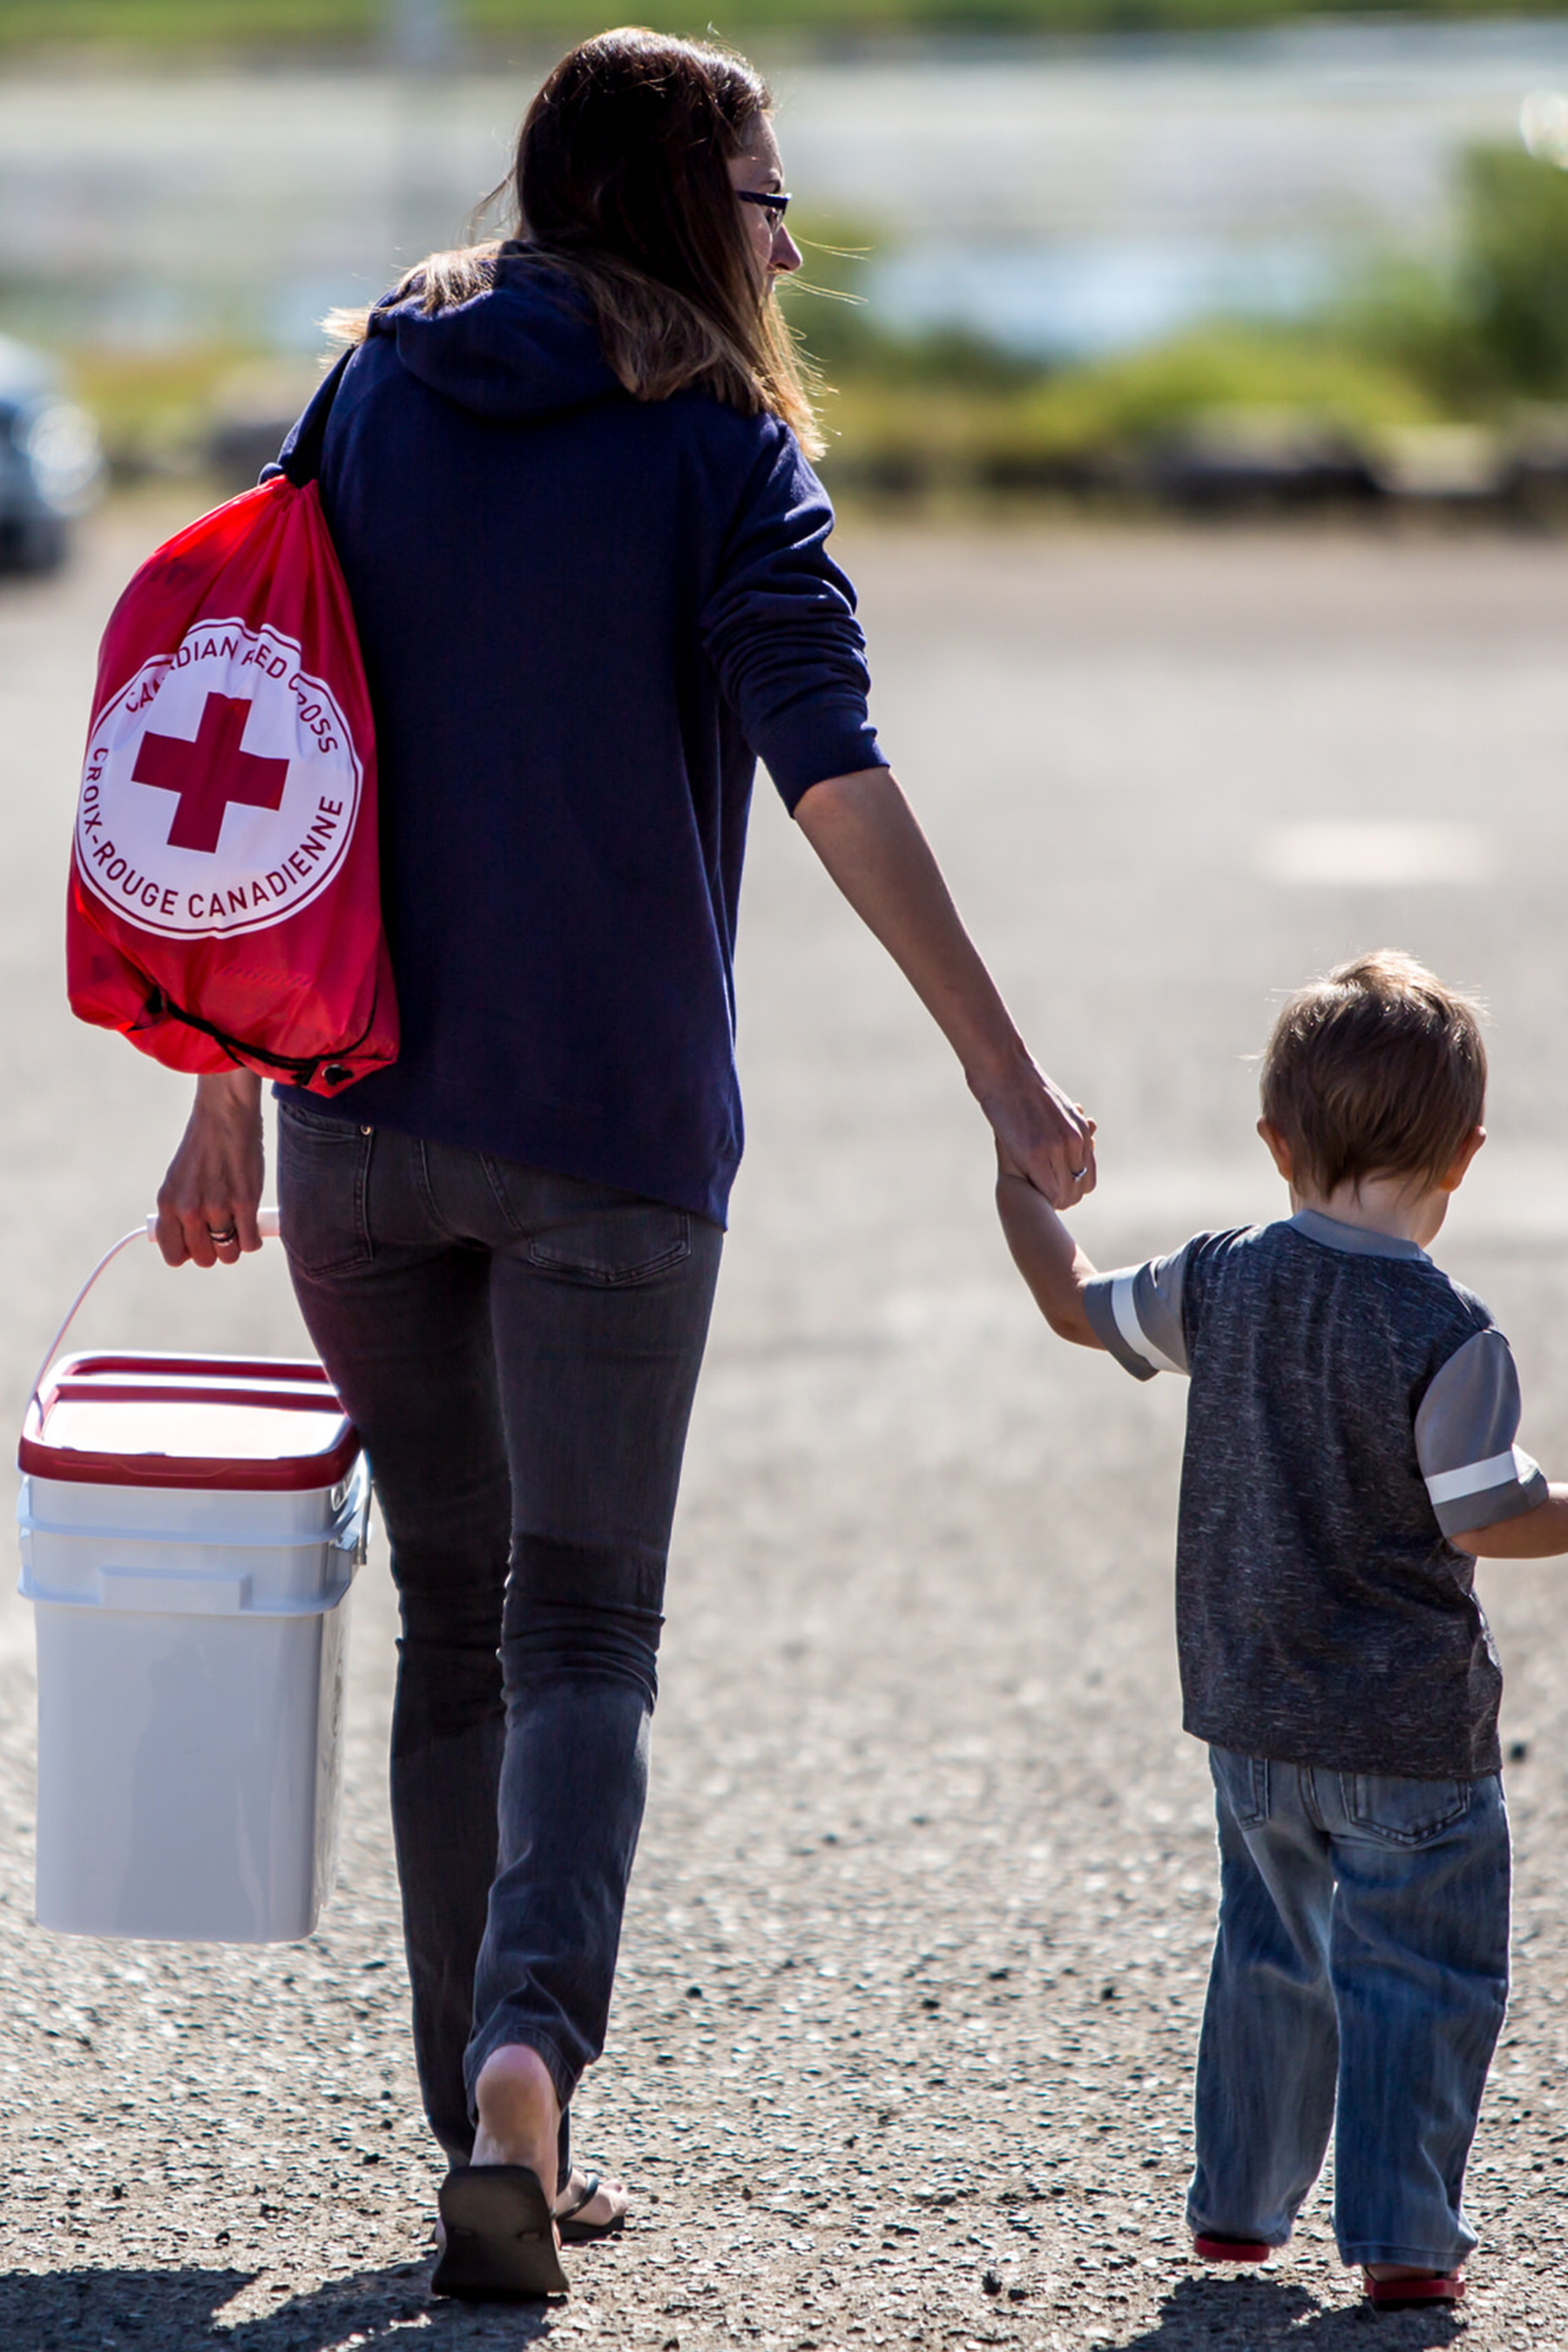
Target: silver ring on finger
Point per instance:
(222, 1240)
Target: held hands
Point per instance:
(1045, 1254)
(208, 1200)
(1040, 1134)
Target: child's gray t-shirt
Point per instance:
(1351, 1408)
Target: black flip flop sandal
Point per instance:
(575, 2232)
(501, 2246)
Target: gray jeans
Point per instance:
(519, 1351)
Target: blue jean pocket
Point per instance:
(1402, 1812)
(1243, 1783)
(323, 1175)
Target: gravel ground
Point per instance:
(913, 1963)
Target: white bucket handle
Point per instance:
(266, 1225)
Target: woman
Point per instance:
(586, 557)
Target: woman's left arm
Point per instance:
(866, 834)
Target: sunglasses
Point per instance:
(776, 206)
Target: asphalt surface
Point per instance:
(912, 1969)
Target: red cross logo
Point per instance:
(210, 773)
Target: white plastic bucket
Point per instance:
(190, 1528)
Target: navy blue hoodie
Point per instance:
(584, 618)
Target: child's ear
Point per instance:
(1455, 1173)
(1278, 1148)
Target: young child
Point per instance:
(1350, 1451)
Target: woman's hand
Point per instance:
(1040, 1134)
(865, 833)
(208, 1200)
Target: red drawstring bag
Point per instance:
(226, 893)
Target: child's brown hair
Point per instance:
(1375, 1070)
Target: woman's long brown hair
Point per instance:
(621, 180)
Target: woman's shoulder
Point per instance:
(757, 457)
(701, 414)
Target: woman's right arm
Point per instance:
(866, 836)
(214, 1184)
(780, 631)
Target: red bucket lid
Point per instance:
(252, 1423)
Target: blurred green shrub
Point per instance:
(1489, 327)
(1136, 398)
(1089, 426)
(1514, 268)
(914, 414)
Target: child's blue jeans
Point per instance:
(1361, 1958)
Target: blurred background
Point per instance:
(1196, 253)
(922, 1825)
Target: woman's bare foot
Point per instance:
(606, 2206)
(520, 2122)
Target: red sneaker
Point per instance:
(1410, 2293)
(1211, 2249)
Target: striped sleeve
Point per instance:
(1465, 1430)
(1136, 1315)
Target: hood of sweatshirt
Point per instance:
(527, 348)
